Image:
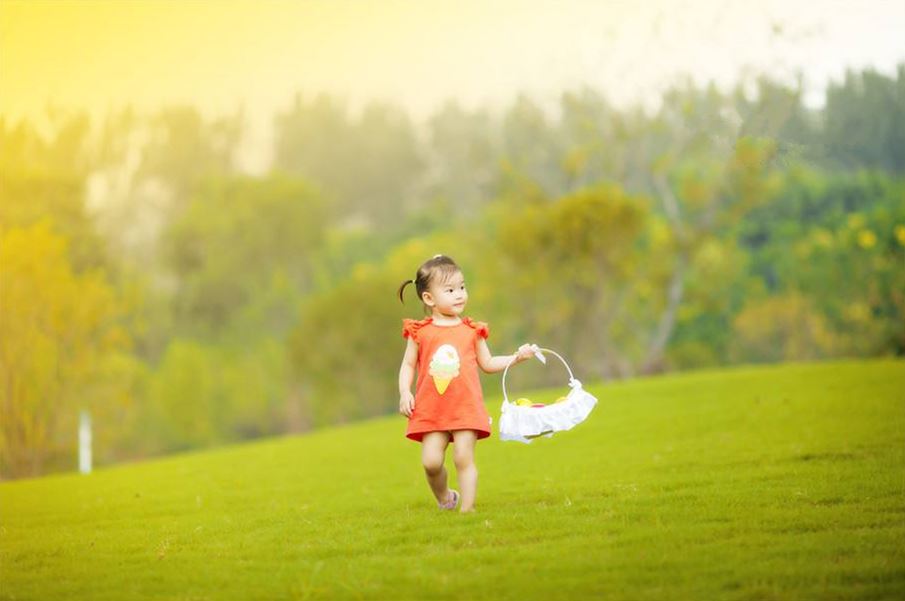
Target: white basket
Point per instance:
(526, 423)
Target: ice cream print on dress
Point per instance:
(444, 366)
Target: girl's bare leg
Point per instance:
(467, 472)
(433, 452)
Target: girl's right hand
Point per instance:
(406, 403)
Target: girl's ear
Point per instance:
(427, 298)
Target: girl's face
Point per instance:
(447, 297)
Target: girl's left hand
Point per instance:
(526, 351)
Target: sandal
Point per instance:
(452, 503)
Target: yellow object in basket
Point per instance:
(524, 402)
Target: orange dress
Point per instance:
(448, 392)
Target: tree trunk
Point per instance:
(296, 416)
(653, 361)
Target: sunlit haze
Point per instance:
(220, 56)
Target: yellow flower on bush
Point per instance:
(867, 239)
(823, 238)
(900, 234)
(858, 312)
(855, 220)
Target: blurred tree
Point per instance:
(315, 140)
(781, 328)
(370, 166)
(595, 137)
(532, 148)
(153, 166)
(182, 149)
(463, 156)
(183, 398)
(705, 197)
(202, 395)
(864, 121)
(777, 112)
(208, 269)
(571, 264)
(68, 150)
(339, 350)
(42, 179)
(833, 240)
(62, 348)
(716, 289)
(240, 256)
(388, 165)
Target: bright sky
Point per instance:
(219, 55)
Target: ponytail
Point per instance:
(402, 289)
(439, 265)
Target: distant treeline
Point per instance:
(185, 304)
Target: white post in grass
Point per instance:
(85, 442)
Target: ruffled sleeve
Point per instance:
(410, 327)
(481, 328)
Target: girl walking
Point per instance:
(446, 349)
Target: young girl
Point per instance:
(448, 405)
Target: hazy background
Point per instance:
(206, 207)
(223, 55)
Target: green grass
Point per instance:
(758, 483)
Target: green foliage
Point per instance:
(717, 288)
(834, 239)
(865, 121)
(201, 395)
(240, 255)
(23, 149)
(718, 228)
(183, 149)
(44, 181)
(342, 349)
(466, 147)
(778, 113)
(61, 349)
(781, 328)
(367, 165)
(531, 146)
(572, 262)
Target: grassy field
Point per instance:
(759, 483)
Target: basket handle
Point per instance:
(543, 350)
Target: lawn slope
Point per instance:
(781, 482)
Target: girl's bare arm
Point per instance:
(492, 364)
(406, 375)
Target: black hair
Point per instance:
(439, 266)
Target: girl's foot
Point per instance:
(451, 502)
